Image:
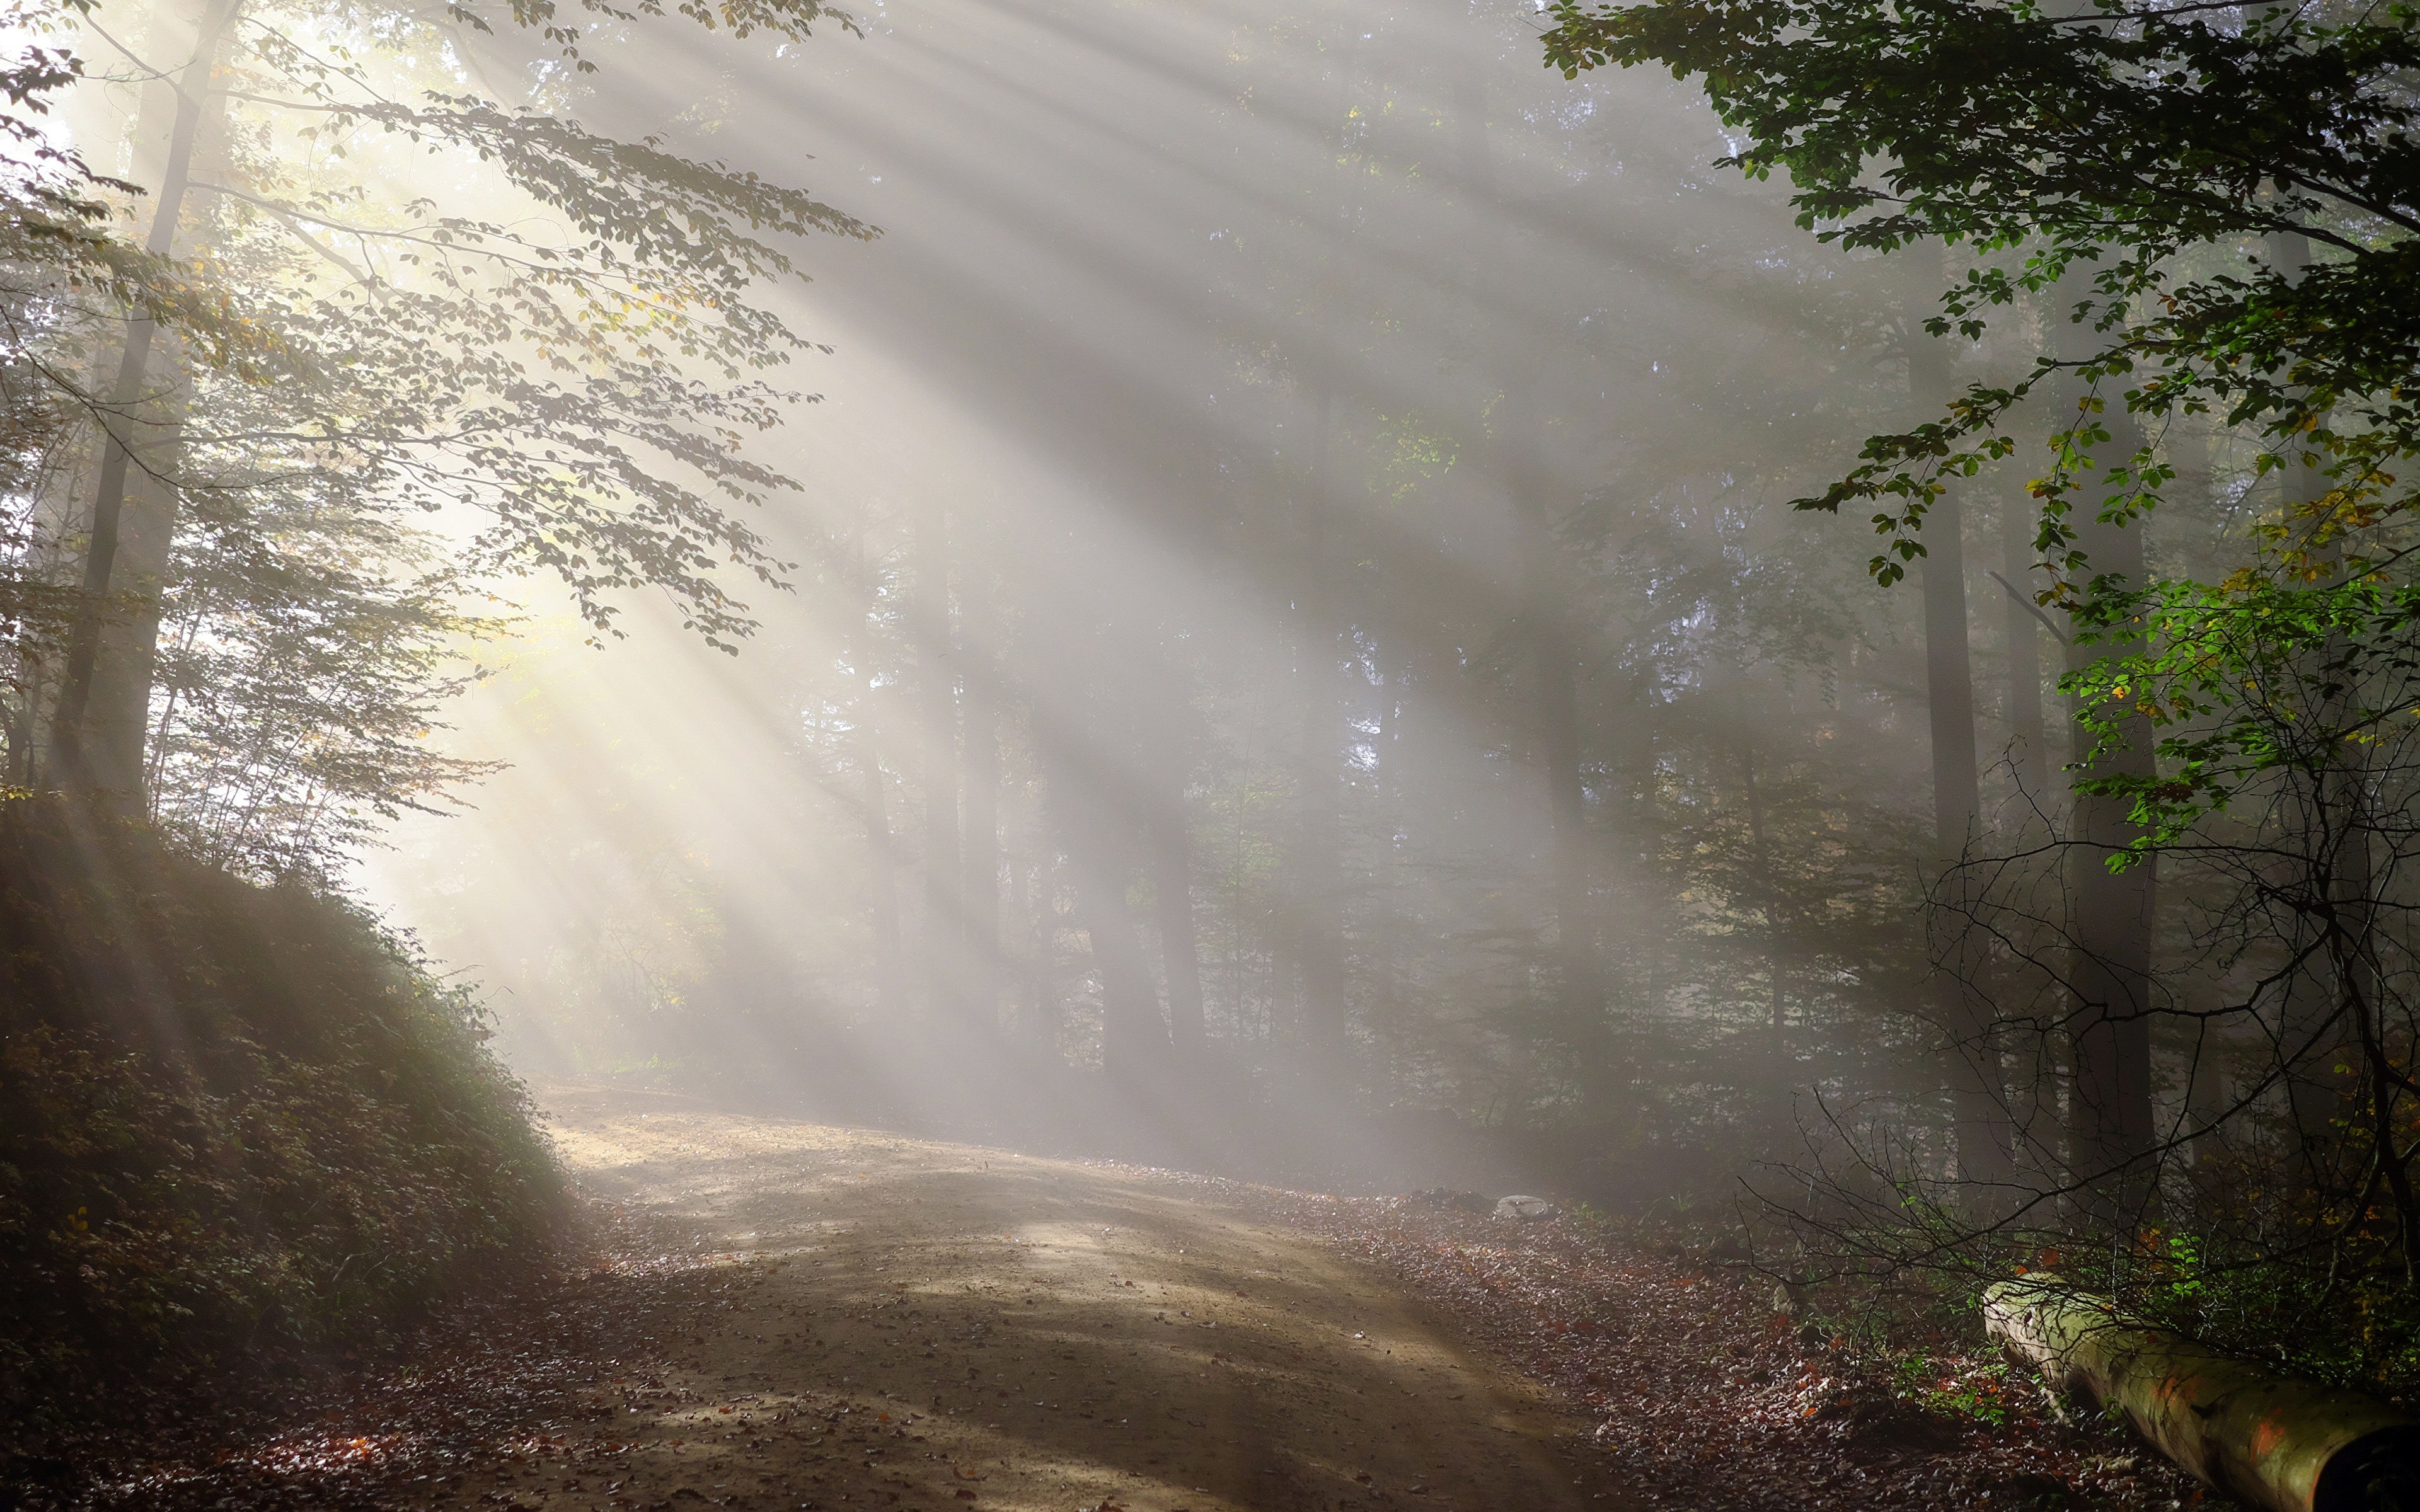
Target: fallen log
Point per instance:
(2270, 1442)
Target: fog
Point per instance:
(696, 707)
(1294, 615)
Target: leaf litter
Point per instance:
(1703, 1395)
(1709, 1396)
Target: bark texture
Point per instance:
(2110, 912)
(1986, 1140)
(2273, 1443)
(100, 722)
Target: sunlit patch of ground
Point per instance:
(791, 1316)
(924, 1324)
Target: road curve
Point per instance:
(889, 1322)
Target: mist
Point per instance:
(1672, 669)
(1293, 602)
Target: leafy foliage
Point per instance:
(66, 273)
(558, 388)
(2126, 139)
(2211, 213)
(233, 1119)
(553, 360)
(2254, 683)
(304, 657)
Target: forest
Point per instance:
(634, 641)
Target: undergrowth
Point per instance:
(240, 1125)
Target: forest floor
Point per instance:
(782, 1315)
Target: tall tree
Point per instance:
(2112, 919)
(1039, 1009)
(513, 382)
(890, 987)
(1986, 1143)
(1318, 871)
(941, 950)
(2112, 139)
(979, 777)
(2028, 754)
(1552, 671)
(109, 759)
(1101, 861)
(1170, 840)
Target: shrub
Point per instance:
(236, 1121)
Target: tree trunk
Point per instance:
(1950, 685)
(942, 954)
(1172, 856)
(1318, 870)
(1579, 1005)
(98, 723)
(2109, 972)
(1134, 1040)
(882, 873)
(2319, 1000)
(1554, 668)
(1986, 1140)
(881, 860)
(2270, 1441)
(117, 714)
(1039, 1024)
(1776, 1050)
(1384, 971)
(2028, 754)
(1091, 812)
(978, 764)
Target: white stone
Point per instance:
(1528, 1210)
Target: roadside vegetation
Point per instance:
(324, 355)
(241, 1127)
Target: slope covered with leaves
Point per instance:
(1717, 1395)
(236, 1122)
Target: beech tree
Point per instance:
(2213, 211)
(579, 405)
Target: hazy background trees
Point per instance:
(1284, 640)
(1314, 553)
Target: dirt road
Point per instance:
(889, 1323)
(789, 1317)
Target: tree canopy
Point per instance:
(412, 342)
(2137, 141)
